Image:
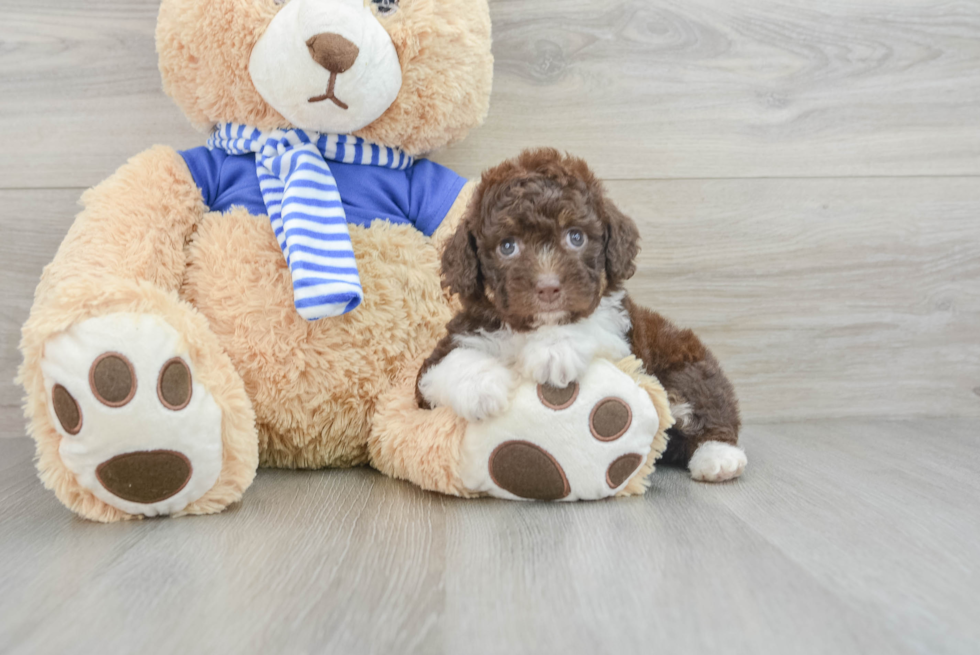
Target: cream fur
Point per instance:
(443, 49)
(286, 76)
(424, 446)
(716, 461)
(314, 385)
(565, 435)
(474, 384)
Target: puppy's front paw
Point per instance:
(484, 395)
(716, 461)
(474, 385)
(559, 363)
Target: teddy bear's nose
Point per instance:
(332, 51)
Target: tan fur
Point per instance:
(144, 243)
(314, 385)
(442, 45)
(633, 367)
(204, 50)
(119, 257)
(417, 445)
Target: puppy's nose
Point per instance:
(548, 292)
(332, 51)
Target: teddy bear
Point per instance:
(267, 299)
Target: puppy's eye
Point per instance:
(508, 248)
(575, 238)
(385, 7)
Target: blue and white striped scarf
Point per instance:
(303, 202)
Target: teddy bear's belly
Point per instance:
(314, 384)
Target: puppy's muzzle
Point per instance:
(548, 289)
(549, 294)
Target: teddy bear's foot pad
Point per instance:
(528, 471)
(583, 442)
(138, 430)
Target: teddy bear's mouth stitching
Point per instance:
(329, 94)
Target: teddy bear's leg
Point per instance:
(135, 407)
(419, 445)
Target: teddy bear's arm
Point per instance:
(108, 329)
(134, 225)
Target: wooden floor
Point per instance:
(806, 177)
(843, 537)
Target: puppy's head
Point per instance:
(540, 242)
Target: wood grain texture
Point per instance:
(746, 88)
(850, 297)
(838, 539)
(33, 223)
(645, 88)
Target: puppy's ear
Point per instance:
(461, 265)
(622, 244)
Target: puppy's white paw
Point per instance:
(474, 385)
(558, 363)
(485, 395)
(716, 461)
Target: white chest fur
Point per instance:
(478, 377)
(559, 354)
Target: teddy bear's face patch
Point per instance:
(327, 65)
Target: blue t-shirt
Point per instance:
(420, 195)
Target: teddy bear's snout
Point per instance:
(333, 52)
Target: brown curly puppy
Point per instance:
(539, 264)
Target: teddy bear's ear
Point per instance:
(622, 244)
(461, 272)
(206, 71)
(447, 73)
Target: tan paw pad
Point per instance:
(174, 385)
(621, 469)
(583, 442)
(610, 419)
(112, 379)
(146, 477)
(528, 471)
(557, 398)
(66, 409)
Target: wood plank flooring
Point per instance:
(852, 291)
(823, 298)
(843, 537)
(644, 88)
(807, 181)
